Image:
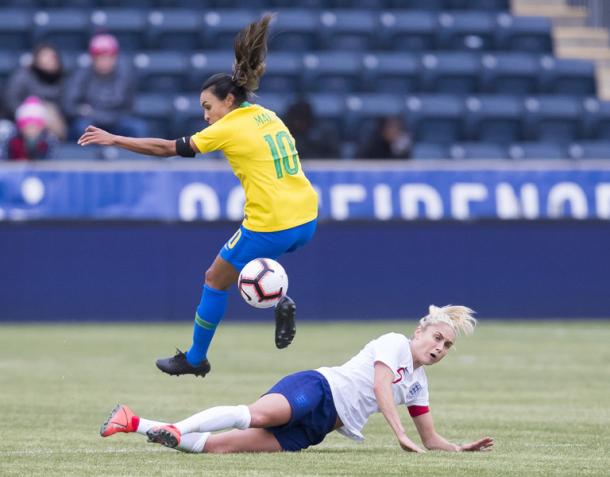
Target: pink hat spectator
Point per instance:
(103, 44)
(31, 111)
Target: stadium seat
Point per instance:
(362, 110)
(329, 110)
(282, 73)
(466, 31)
(155, 108)
(309, 4)
(596, 119)
(8, 63)
(429, 151)
(398, 73)
(494, 119)
(112, 153)
(456, 73)
(332, 71)
(278, 103)
(537, 151)
(407, 31)
(128, 25)
(478, 151)
(70, 151)
(590, 150)
(175, 29)
(221, 26)
(15, 27)
(348, 30)
(510, 73)
(186, 116)
(483, 5)
(67, 29)
(204, 65)
(295, 30)
(435, 118)
(366, 4)
(553, 119)
(162, 71)
(531, 34)
(567, 76)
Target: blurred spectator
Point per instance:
(45, 79)
(102, 93)
(312, 140)
(32, 140)
(388, 140)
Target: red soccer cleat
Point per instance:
(168, 435)
(121, 419)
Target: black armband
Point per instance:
(183, 147)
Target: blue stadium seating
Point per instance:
(128, 25)
(277, 103)
(332, 71)
(494, 119)
(186, 116)
(456, 73)
(162, 71)
(155, 108)
(70, 151)
(397, 73)
(221, 26)
(283, 73)
(15, 27)
(435, 118)
(329, 109)
(489, 5)
(537, 151)
(553, 119)
(510, 73)
(532, 34)
(590, 150)
(477, 150)
(407, 31)
(175, 29)
(8, 63)
(563, 76)
(467, 31)
(203, 65)
(347, 30)
(362, 110)
(596, 119)
(429, 151)
(68, 29)
(295, 30)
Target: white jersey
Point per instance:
(352, 384)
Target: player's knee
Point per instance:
(219, 445)
(259, 418)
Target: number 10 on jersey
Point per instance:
(281, 157)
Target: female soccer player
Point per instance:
(281, 207)
(301, 409)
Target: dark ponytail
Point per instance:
(250, 53)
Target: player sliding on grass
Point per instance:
(301, 409)
(281, 205)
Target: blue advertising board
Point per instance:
(208, 191)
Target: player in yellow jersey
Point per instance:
(281, 207)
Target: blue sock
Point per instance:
(210, 311)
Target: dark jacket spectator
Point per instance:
(388, 140)
(313, 141)
(45, 79)
(103, 92)
(33, 140)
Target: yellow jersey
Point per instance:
(262, 154)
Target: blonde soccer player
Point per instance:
(301, 409)
(280, 214)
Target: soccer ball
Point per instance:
(262, 283)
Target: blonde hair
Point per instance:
(458, 317)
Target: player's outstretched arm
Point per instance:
(149, 146)
(434, 441)
(385, 400)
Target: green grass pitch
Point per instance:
(542, 390)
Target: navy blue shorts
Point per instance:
(313, 410)
(246, 245)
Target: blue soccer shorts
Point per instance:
(246, 245)
(313, 410)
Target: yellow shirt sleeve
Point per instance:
(212, 138)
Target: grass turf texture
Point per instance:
(540, 389)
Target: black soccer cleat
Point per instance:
(167, 435)
(285, 326)
(178, 365)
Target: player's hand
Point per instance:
(409, 446)
(484, 444)
(93, 135)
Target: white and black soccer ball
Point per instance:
(262, 283)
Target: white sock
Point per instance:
(193, 442)
(146, 424)
(215, 419)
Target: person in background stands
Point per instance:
(103, 92)
(388, 140)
